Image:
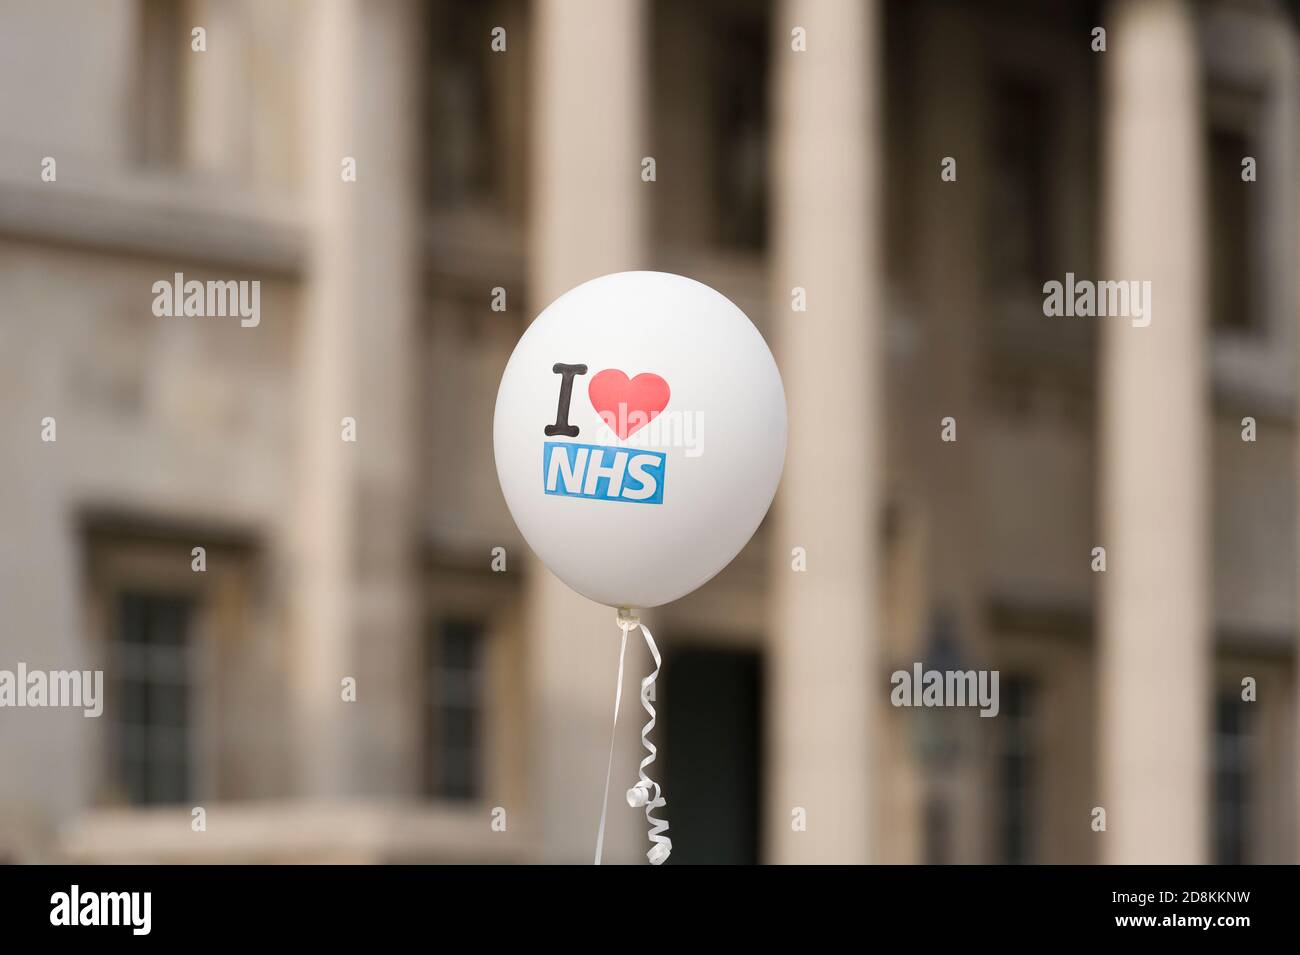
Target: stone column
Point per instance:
(823, 658)
(586, 221)
(1155, 650)
(356, 519)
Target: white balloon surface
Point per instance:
(640, 434)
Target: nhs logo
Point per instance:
(603, 473)
(597, 472)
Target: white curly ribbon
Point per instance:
(646, 792)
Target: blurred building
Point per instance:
(797, 145)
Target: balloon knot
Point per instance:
(628, 619)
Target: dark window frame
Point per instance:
(1233, 780)
(1019, 762)
(1234, 211)
(153, 699)
(454, 707)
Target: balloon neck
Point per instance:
(627, 618)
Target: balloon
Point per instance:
(639, 434)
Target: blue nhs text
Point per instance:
(603, 473)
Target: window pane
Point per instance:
(454, 704)
(740, 108)
(1233, 776)
(1017, 769)
(150, 672)
(1020, 239)
(1233, 279)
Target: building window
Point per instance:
(1235, 300)
(1020, 243)
(937, 830)
(454, 710)
(164, 40)
(474, 104)
(1232, 780)
(740, 107)
(461, 163)
(152, 677)
(1017, 770)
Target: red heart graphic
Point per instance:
(627, 406)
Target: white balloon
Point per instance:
(660, 465)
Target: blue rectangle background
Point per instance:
(602, 486)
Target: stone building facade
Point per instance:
(499, 152)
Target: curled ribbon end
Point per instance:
(646, 792)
